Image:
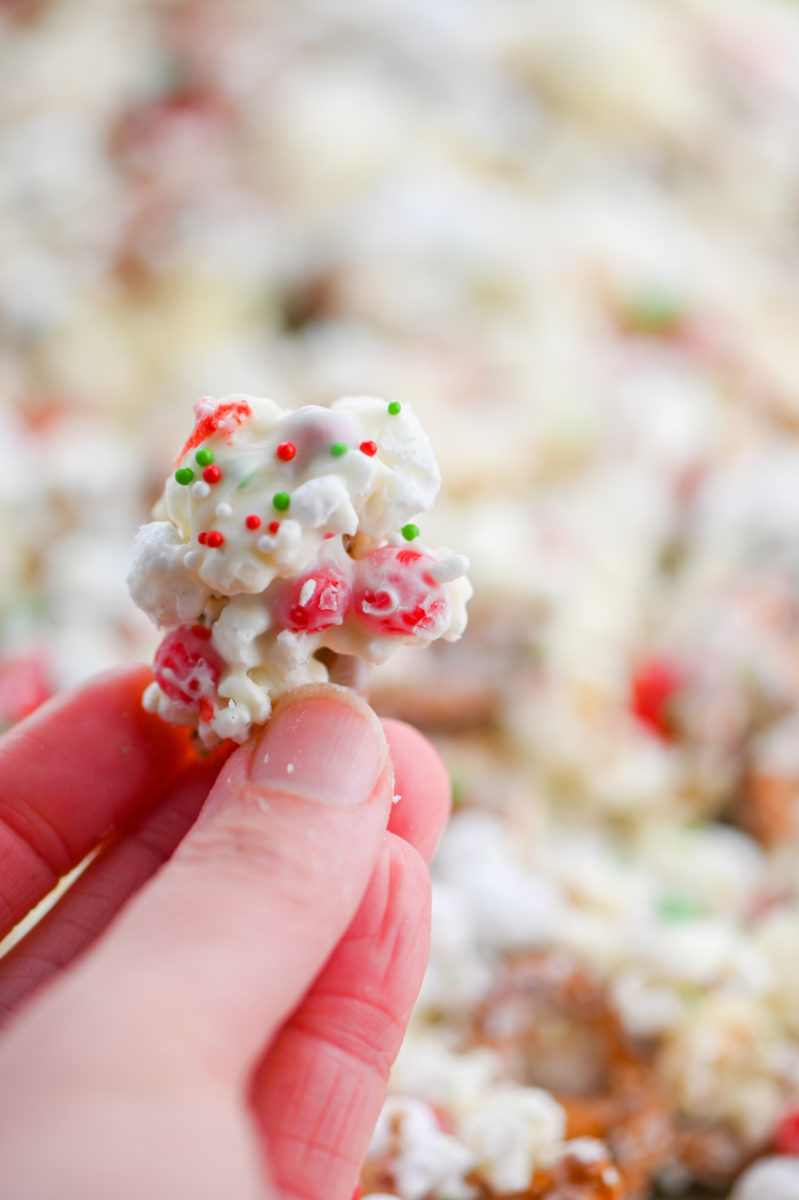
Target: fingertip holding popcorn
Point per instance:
(344, 571)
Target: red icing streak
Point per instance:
(653, 687)
(206, 709)
(225, 419)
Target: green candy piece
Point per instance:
(204, 457)
(184, 475)
(281, 501)
(410, 531)
(339, 448)
(394, 407)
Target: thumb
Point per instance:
(224, 942)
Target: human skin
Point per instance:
(212, 1009)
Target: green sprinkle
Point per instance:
(339, 448)
(281, 501)
(184, 475)
(409, 532)
(247, 480)
(204, 457)
(394, 407)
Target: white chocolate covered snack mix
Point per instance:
(282, 534)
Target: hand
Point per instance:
(221, 1025)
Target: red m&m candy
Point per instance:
(186, 665)
(313, 601)
(394, 593)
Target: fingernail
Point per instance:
(327, 746)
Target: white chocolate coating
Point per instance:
(282, 534)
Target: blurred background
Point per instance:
(566, 231)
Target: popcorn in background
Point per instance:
(567, 234)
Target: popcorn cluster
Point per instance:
(283, 535)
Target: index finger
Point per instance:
(80, 767)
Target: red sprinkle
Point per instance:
(202, 538)
(253, 521)
(273, 527)
(286, 451)
(369, 448)
(225, 418)
(212, 474)
(214, 539)
(786, 1139)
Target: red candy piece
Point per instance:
(24, 685)
(314, 601)
(369, 448)
(273, 527)
(212, 474)
(253, 521)
(225, 419)
(186, 666)
(654, 685)
(786, 1139)
(394, 593)
(214, 539)
(286, 451)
